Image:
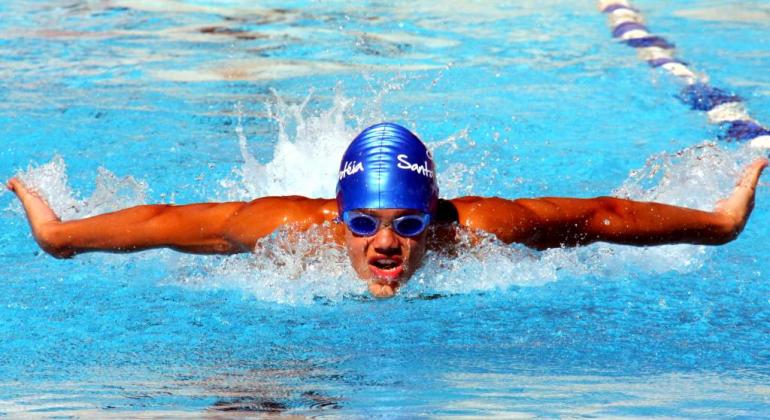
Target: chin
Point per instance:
(381, 289)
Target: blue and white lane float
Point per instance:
(723, 108)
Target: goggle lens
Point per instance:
(363, 224)
(410, 225)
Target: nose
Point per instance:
(385, 241)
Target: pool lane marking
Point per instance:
(722, 108)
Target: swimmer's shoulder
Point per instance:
(265, 214)
(461, 210)
(510, 220)
(260, 217)
(465, 210)
(489, 214)
(292, 209)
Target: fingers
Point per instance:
(17, 187)
(752, 173)
(29, 198)
(758, 165)
(14, 184)
(11, 184)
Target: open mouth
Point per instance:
(386, 268)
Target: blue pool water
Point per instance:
(110, 104)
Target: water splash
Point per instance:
(482, 263)
(304, 156)
(696, 177)
(282, 271)
(112, 193)
(287, 267)
(307, 150)
(458, 178)
(303, 268)
(310, 143)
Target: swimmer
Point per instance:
(387, 198)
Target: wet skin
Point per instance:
(385, 260)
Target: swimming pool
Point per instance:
(185, 101)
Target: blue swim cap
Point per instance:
(387, 167)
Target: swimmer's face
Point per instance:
(385, 259)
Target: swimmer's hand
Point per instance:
(42, 219)
(736, 209)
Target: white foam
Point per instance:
(287, 267)
(309, 144)
(306, 153)
(305, 161)
(695, 177)
(111, 193)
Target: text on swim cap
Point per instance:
(403, 163)
(350, 168)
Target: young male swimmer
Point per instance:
(387, 197)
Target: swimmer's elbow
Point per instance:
(709, 228)
(51, 240)
(724, 231)
(223, 247)
(61, 253)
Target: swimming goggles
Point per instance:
(362, 224)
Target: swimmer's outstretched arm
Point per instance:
(210, 228)
(555, 222)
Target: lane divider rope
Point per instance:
(722, 108)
